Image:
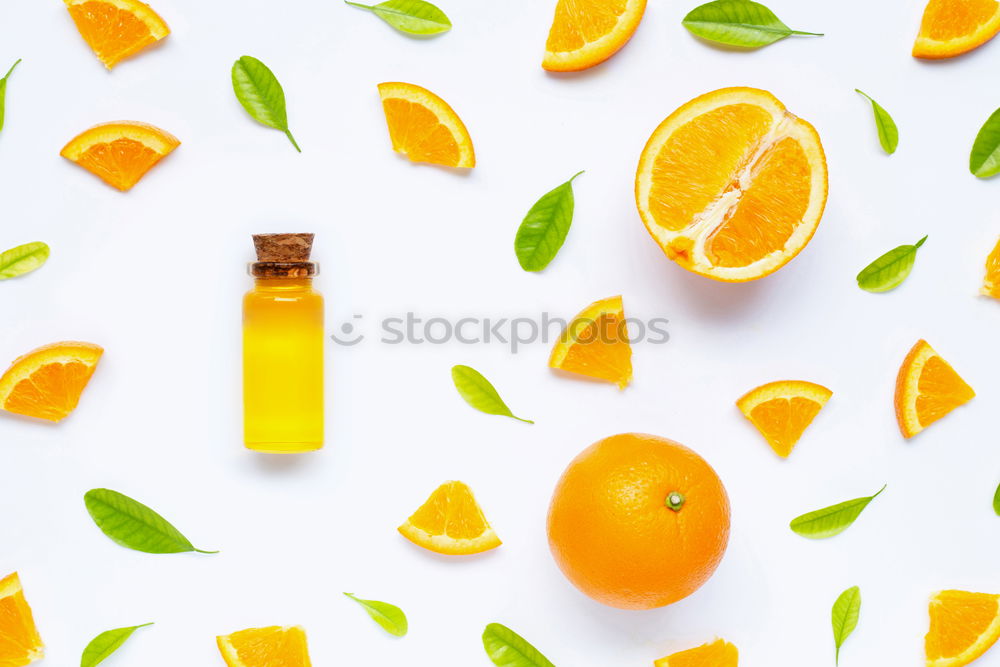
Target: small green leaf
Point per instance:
(846, 611)
(389, 616)
(996, 501)
(543, 230)
(106, 643)
(260, 93)
(984, 161)
(3, 91)
(832, 520)
(888, 133)
(23, 259)
(479, 393)
(135, 526)
(506, 648)
(414, 17)
(738, 23)
(890, 270)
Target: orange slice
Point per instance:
(20, 643)
(927, 389)
(963, 627)
(424, 128)
(47, 382)
(596, 344)
(585, 33)
(274, 646)
(120, 153)
(451, 522)
(731, 185)
(953, 27)
(116, 29)
(991, 283)
(719, 653)
(783, 410)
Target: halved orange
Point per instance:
(273, 646)
(731, 185)
(116, 29)
(596, 344)
(953, 27)
(927, 389)
(963, 627)
(424, 128)
(20, 643)
(451, 522)
(120, 153)
(991, 283)
(585, 33)
(719, 653)
(47, 382)
(783, 410)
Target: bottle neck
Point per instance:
(282, 284)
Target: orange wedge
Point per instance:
(424, 128)
(120, 153)
(47, 382)
(991, 283)
(719, 653)
(585, 33)
(451, 522)
(963, 627)
(731, 185)
(927, 389)
(596, 344)
(19, 641)
(953, 27)
(274, 646)
(116, 29)
(783, 410)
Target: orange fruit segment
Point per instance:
(927, 389)
(47, 382)
(963, 627)
(120, 153)
(783, 410)
(596, 344)
(991, 283)
(732, 186)
(20, 643)
(116, 29)
(273, 646)
(424, 128)
(719, 653)
(585, 33)
(953, 27)
(451, 522)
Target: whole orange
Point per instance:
(638, 521)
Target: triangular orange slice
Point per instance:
(719, 653)
(585, 33)
(47, 382)
(991, 282)
(20, 643)
(953, 27)
(783, 410)
(927, 389)
(116, 29)
(273, 646)
(963, 627)
(451, 522)
(120, 153)
(424, 128)
(596, 344)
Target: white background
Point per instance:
(156, 276)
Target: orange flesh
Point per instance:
(580, 22)
(719, 653)
(415, 130)
(266, 647)
(52, 391)
(19, 640)
(113, 33)
(601, 350)
(782, 421)
(991, 285)
(962, 622)
(120, 163)
(941, 391)
(945, 20)
(451, 510)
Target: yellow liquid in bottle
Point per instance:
(283, 339)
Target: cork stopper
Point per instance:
(283, 256)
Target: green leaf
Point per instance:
(415, 17)
(260, 93)
(23, 259)
(888, 133)
(506, 648)
(389, 616)
(106, 643)
(996, 501)
(479, 393)
(133, 525)
(543, 230)
(846, 611)
(832, 520)
(3, 91)
(984, 161)
(738, 23)
(890, 270)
